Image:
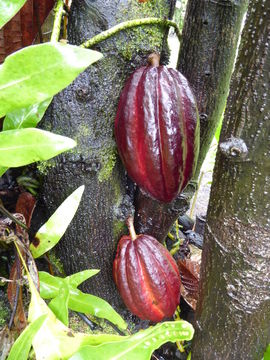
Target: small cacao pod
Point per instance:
(157, 130)
(147, 276)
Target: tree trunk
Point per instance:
(233, 314)
(210, 36)
(85, 111)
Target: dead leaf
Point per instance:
(25, 205)
(189, 269)
(23, 28)
(19, 318)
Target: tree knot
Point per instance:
(234, 148)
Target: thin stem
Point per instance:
(4, 211)
(131, 229)
(15, 304)
(127, 25)
(59, 9)
(196, 195)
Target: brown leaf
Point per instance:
(27, 28)
(19, 318)
(189, 276)
(13, 35)
(189, 269)
(22, 29)
(25, 205)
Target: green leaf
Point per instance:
(54, 340)
(49, 285)
(79, 301)
(8, 8)
(76, 279)
(37, 72)
(22, 345)
(26, 117)
(140, 345)
(52, 231)
(59, 305)
(3, 170)
(90, 304)
(267, 353)
(24, 146)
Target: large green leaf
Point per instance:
(8, 8)
(24, 146)
(54, 340)
(22, 345)
(139, 346)
(35, 73)
(52, 231)
(26, 117)
(51, 287)
(3, 170)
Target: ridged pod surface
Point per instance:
(147, 277)
(157, 130)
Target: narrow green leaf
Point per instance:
(140, 345)
(76, 279)
(52, 231)
(25, 146)
(79, 301)
(22, 345)
(59, 305)
(26, 117)
(35, 73)
(8, 8)
(90, 304)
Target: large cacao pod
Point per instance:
(157, 130)
(147, 276)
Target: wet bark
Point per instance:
(233, 314)
(210, 36)
(85, 111)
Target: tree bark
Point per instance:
(210, 36)
(85, 111)
(233, 314)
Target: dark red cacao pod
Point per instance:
(147, 277)
(157, 130)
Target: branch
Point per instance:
(130, 24)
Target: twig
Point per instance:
(59, 9)
(127, 25)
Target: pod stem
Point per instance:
(128, 25)
(131, 229)
(154, 59)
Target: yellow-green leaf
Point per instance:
(35, 73)
(52, 231)
(24, 146)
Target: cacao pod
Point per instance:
(157, 130)
(147, 276)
